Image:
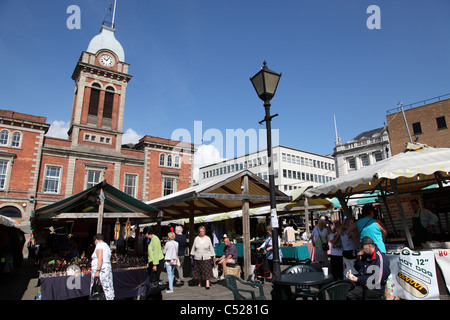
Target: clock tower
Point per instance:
(101, 78)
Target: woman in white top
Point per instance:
(170, 258)
(349, 238)
(202, 251)
(320, 237)
(101, 266)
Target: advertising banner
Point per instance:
(442, 257)
(413, 275)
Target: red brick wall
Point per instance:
(426, 115)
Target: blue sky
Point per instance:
(191, 60)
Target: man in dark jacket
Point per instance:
(373, 268)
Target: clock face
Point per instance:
(107, 60)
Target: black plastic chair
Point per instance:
(337, 290)
(232, 284)
(301, 291)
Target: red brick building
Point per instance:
(36, 170)
(428, 124)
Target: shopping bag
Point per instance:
(215, 272)
(156, 287)
(97, 292)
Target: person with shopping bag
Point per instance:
(101, 274)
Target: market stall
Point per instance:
(396, 180)
(242, 190)
(64, 232)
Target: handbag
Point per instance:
(97, 292)
(178, 263)
(325, 246)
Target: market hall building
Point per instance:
(36, 170)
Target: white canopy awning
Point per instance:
(412, 170)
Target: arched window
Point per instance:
(108, 105)
(162, 159)
(94, 99)
(4, 135)
(16, 137)
(169, 160)
(11, 212)
(177, 162)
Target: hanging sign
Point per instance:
(413, 275)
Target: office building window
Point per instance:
(365, 160)
(440, 122)
(417, 128)
(162, 159)
(130, 184)
(52, 179)
(378, 156)
(352, 164)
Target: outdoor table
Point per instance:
(126, 284)
(282, 284)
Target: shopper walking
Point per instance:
(203, 253)
(155, 255)
(101, 266)
(181, 239)
(170, 258)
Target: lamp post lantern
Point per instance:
(265, 83)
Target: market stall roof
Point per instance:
(298, 201)
(85, 204)
(217, 196)
(412, 170)
(8, 222)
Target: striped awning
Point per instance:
(412, 170)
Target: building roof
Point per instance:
(106, 40)
(369, 134)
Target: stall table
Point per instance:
(126, 284)
(300, 253)
(218, 249)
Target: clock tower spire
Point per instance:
(101, 78)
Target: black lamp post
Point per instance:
(265, 83)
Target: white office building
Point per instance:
(365, 149)
(292, 168)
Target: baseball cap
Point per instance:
(366, 240)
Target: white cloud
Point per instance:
(131, 136)
(206, 154)
(58, 129)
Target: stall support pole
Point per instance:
(191, 226)
(306, 216)
(343, 203)
(402, 214)
(246, 228)
(100, 211)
